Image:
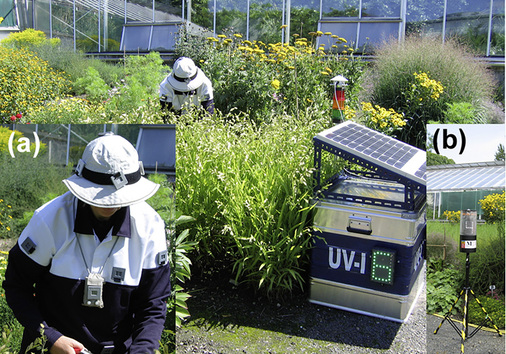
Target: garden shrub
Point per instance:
(488, 262)
(443, 287)
(92, 85)
(452, 216)
(462, 113)
(76, 64)
(26, 82)
(28, 38)
(493, 306)
(392, 81)
(493, 207)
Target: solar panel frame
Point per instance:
(410, 172)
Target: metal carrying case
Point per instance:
(370, 241)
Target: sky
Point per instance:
(481, 141)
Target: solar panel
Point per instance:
(379, 149)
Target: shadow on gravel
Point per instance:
(217, 304)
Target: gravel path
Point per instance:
(226, 320)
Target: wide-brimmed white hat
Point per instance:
(185, 75)
(109, 174)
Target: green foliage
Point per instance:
(265, 80)
(488, 262)
(443, 287)
(11, 329)
(29, 38)
(249, 189)
(493, 306)
(92, 85)
(493, 207)
(179, 246)
(25, 182)
(463, 113)
(499, 155)
(452, 216)
(76, 64)
(6, 220)
(437, 159)
(26, 82)
(91, 44)
(392, 79)
(139, 91)
(134, 100)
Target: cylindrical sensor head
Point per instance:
(468, 231)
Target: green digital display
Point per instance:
(382, 266)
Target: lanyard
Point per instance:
(106, 259)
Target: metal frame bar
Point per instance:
(414, 193)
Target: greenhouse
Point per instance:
(143, 25)
(461, 186)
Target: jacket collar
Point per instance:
(120, 221)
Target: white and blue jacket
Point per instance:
(44, 281)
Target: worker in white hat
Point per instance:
(186, 86)
(90, 271)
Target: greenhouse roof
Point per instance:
(468, 176)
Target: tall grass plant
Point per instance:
(463, 78)
(249, 189)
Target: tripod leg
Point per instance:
(447, 316)
(464, 323)
(487, 317)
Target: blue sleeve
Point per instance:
(21, 275)
(150, 309)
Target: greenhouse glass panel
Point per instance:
(41, 16)
(87, 27)
(381, 8)
(136, 38)
(266, 18)
(8, 13)
(62, 21)
(346, 30)
(497, 40)
(375, 33)
(340, 8)
(469, 21)
(424, 17)
(164, 37)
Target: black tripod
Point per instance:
(465, 325)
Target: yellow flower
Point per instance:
(275, 84)
(284, 26)
(238, 35)
(222, 36)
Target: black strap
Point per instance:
(105, 179)
(192, 92)
(185, 79)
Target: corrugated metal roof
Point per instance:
(468, 176)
